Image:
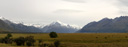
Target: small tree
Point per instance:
(20, 41)
(53, 35)
(57, 43)
(7, 39)
(30, 41)
(9, 35)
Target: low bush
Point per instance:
(20, 41)
(53, 35)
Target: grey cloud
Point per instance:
(124, 2)
(123, 5)
(67, 11)
(77, 1)
(123, 13)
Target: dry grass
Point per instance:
(81, 39)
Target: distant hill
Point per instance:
(60, 27)
(106, 25)
(8, 26)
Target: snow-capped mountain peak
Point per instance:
(2, 18)
(60, 27)
(56, 26)
(59, 23)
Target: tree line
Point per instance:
(29, 40)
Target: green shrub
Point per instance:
(53, 35)
(7, 39)
(57, 43)
(20, 41)
(9, 35)
(30, 41)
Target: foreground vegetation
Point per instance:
(77, 39)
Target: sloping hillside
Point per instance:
(106, 25)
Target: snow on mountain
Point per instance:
(35, 25)
(2, 18)
(60, 27)
(59, 23)
(18, 27)
(10, 22)
(57, 26)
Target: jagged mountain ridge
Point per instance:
(60, 27)
(106, 25)
(17, 28)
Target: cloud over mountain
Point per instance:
(76, 1)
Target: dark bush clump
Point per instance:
(9, 35)
(30, 41)
(7, 39)
(20, 41)
(53, 35)
(105, 37)
(57, 43)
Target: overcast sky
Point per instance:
(78, 12)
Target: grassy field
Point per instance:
(79, 39)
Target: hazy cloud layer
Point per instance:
(76, 1)
(123, 6)
(124, 2)
(66, 11)
(79, 12)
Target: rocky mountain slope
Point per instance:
(60, 27)
(106, 25)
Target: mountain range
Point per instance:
(17, 28)
(59, 27)
(106, 25)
